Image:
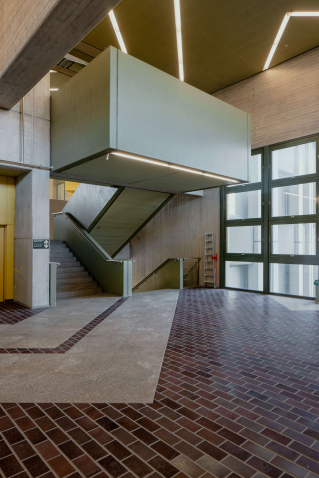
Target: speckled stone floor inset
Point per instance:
(238, 396)
(99, 348)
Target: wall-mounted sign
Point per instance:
(41, 244)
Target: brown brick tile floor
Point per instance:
(238, 396)
(12, 313)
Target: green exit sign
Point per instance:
(41, 243)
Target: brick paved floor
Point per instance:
(238, 395)
(12, 313)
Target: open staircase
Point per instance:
(72, 279)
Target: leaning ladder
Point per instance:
(210, 266)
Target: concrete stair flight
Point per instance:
(72, 279)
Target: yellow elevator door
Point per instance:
(1, 263)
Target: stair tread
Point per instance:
(63, 258)
(79, 286)
(63, 273)
(75, 280)
(70, 264)
(78, 293)
(72, 279)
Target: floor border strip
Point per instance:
(71, 341)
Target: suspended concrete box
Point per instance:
(120, 104)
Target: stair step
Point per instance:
(78, 293)
(61, 252)
(75, 280)
(75, 273)
(72, 279)
(72, 270)
(79, 286)
(64, 258)
(71, 265)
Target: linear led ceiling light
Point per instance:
(282, 29)
(171, 166)
(178, 23)
(117, 31)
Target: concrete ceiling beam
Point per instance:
(35, 35)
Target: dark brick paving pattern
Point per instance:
(12, 313)
(238, 395)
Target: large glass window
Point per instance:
(294, 161)
(293, 279)
(294, 239)
(244, 205)
(254, 168)
(270, 225)
(294, 200)
(245, 239)
(244, 275)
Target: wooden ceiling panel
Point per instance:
(224, 41)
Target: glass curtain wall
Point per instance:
(269, 226)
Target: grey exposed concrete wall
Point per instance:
(25, 139)
(31, 286)
(36, 34)
(25, 130)
(88, 202)
(56, 205)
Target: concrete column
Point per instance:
(31, 285)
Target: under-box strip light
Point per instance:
(171, 166)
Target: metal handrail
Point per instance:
(197, 259)
(74, 222)
(159, 267)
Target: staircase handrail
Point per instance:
(197, 259)
(87, 236)
(160, 266)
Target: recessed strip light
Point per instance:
(52, 71)
(171, 166)
(282, 29)
(54, 89)
(304, 14)
(178, 23)
(277, 39)
(117, 31)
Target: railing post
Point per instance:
(52, 282)
(181, 273)
(127, 278)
